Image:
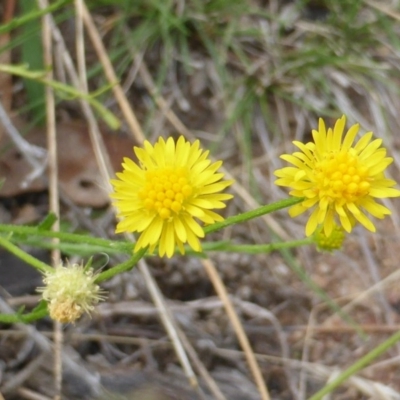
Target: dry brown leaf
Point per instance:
(79, 175)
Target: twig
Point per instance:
(35, 155)
(384, 9)
(111, 76)
(214, 389)
(30, 394)
(160, 101)
(168, 322)
(237, 326)
(94, 131)
(80, 45)
(54, 201)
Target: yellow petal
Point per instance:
(365, 221)
(363, 142)
(345, 221)
(180, 230)
(312, 223)
(350, 136)
(192, 225)
(338, 133)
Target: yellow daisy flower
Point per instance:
(338, 178)
(174, 185)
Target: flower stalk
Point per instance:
(34, 262)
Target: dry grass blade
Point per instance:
(384, 8)
(54, 200)
(209, 380)
(31, 395)
(368, 387)
(168, 323)
(237, 326)
(160, 101)
(126, 108)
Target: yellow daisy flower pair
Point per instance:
(175, 185)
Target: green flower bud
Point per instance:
(332, 242)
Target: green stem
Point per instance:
(73, 237)
(39, 76)
(64, 236)
(125, 247)
(12, 248)
(25, 318)
(123, 267)
(16, 22)
(246, 216)
(40, 311)
(357, 366)
(254, 248)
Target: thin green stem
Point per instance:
(12, 248)
(17, 22)
(39, 76)
(254, 248)
(40, 311)
(246, 216)
(121, 246)
(125, 247)
(123, 267)
(65, 236)
(357, 366)
(24, 318)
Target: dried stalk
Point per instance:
(111, 76)
(220, 288)
(54, 202)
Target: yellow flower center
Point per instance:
(340, 177)
(165, 190)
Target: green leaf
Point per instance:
(48, 222)
(31, 16)
(40, 311)
(32, 55)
